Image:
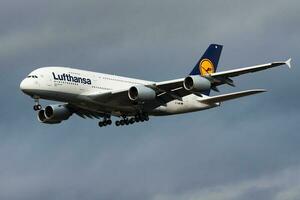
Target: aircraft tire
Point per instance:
(126, 121)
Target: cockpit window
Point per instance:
(32, 76)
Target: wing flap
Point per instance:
(230, 96)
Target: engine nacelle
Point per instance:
(42, 118)
(141, 93)
(196, 83)
(57, 112)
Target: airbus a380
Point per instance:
(97, 95)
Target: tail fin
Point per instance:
(208, 63)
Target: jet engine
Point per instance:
(54, 114)
(141, 93)
(196, 83)
(41, 117)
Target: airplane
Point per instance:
(97, 95)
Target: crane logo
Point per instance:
(206, 67)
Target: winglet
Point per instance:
(288, 63)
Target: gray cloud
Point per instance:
(245, 149)
(283, 185)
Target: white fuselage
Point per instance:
(72, 85)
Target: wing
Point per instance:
(84, 113)
(173, 89)
(220, 78)
(114, 96)
(165, 92)
(170, 90)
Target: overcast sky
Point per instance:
(246, 149)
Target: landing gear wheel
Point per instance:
(105, 122)
(117, 123)
(126, 121)
(37, 107)
(122, 122)
(141, 117)
(137, 119)
(132, 120)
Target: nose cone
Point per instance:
(24, 85)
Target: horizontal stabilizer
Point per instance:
(226, 97)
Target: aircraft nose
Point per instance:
(24, 85)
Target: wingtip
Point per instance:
(260, 90)
(255, 91)
(288, 62)
(264, 90)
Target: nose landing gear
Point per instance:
(37, 105)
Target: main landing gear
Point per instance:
(137, 118)
(37, 105)
(105, 122)
(125, 120)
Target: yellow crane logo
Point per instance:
(206, 67)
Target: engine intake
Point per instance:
(141, 93)
(57, 112)
(41, 117)
(196, 83)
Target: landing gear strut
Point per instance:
(37, 105)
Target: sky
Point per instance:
(245, 149)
